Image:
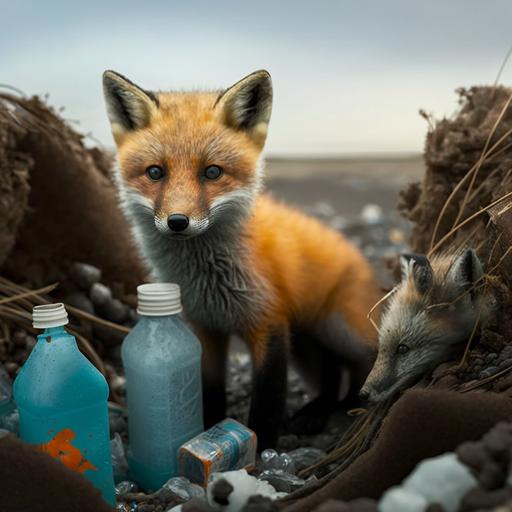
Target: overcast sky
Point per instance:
(349, 75)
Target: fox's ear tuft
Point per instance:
(247, 105)
(129, 107)
(466, 269)
(417, 266)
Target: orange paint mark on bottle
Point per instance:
(60, 448)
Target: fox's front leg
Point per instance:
(268, 400)
(215, 353)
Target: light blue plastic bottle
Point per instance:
(62, 402)
(162, 363)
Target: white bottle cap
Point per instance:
(49, 315)
(158, 299)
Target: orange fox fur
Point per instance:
(296, 274)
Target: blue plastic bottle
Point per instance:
(62, 402)
(162, 363)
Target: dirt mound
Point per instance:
(57, 203)
(465, 200)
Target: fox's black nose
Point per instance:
(364, 395)
(177, 222)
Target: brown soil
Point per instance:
(64, 207)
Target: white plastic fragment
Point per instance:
(244, 486)
(442, 480)
(398, 499)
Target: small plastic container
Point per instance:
(226, 446)
(62, 402)
(162, 363)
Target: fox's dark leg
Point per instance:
(323, 367)
(268, 400)
(333, 347)
(215, 354)
(358, 355)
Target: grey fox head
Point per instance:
(434, 308)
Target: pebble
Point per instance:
(288, 443)
(114, 310)
(80, 301)
(334, 506)
(100, 294)
(84, 275)
(372, 214)
(260, 504)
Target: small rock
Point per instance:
(80, 301)
(488, 372)
(194, 505)
(363, 505)
(481, 499)
(491, 476)
(288, 443)
(260, 504)
(221, 489)
(100, 294)
(84, 275)
(372, 214)
(114, 310)
(18, 338)
(334, 506)
(472, 454)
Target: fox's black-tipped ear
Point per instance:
(129, 107)
(466, 269)
(247, 105)
(417, 266)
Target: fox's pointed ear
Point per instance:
(247, 105)
(465, 270)
(418, 267)
(129, 107)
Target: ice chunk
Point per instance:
(273, 461)
(244, 486)
(119, 463)
(10, 421)
(305, 457)
(184, 488)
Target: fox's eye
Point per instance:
(402, 349)
(212, 172)
(155, 173)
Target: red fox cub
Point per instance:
(189, 179)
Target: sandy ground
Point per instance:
(347, 184)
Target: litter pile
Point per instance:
(58, 209)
